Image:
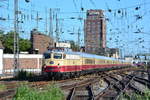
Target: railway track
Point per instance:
(9, 91)
(11, 86)
(80, 88)
(114, 90)
(85, 86)
(117, 87)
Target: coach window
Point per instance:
(57, 56)
(47, 55)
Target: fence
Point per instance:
(28, 62)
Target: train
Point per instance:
(67, 63)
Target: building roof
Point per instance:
(1, 46)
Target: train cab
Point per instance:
(53, 61)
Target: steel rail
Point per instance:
(116, 85)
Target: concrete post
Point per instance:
(1, 61)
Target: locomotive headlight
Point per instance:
(43, 67)
(51, 62)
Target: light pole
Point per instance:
(78, 38)
(16, 36)
(16, 49)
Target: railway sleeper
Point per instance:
(114, 84)
(131, 78)
(119, 84)
(136, 89)
(123, 90)
(142, 81)
(122, 82)
(90, 94)
(7, 93)
(71, 94)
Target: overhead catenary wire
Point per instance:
(133, 6)
(93, 3)
(75, 5)
(131, 18)
(129, 7)
(114, 16)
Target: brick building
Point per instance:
(95, 31)
(40, 42)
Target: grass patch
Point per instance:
(146, 96)
(135, 96)
(51, 93)
(2, 87)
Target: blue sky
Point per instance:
(127, 20)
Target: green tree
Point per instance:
(24, 45)
(8, 42)
(1, 34)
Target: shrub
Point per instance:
(146, 96)
(26, 93)
(23, 75)
(135, 96)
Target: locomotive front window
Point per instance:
(57, 56)
(47, 56)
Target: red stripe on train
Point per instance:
(78, 67)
